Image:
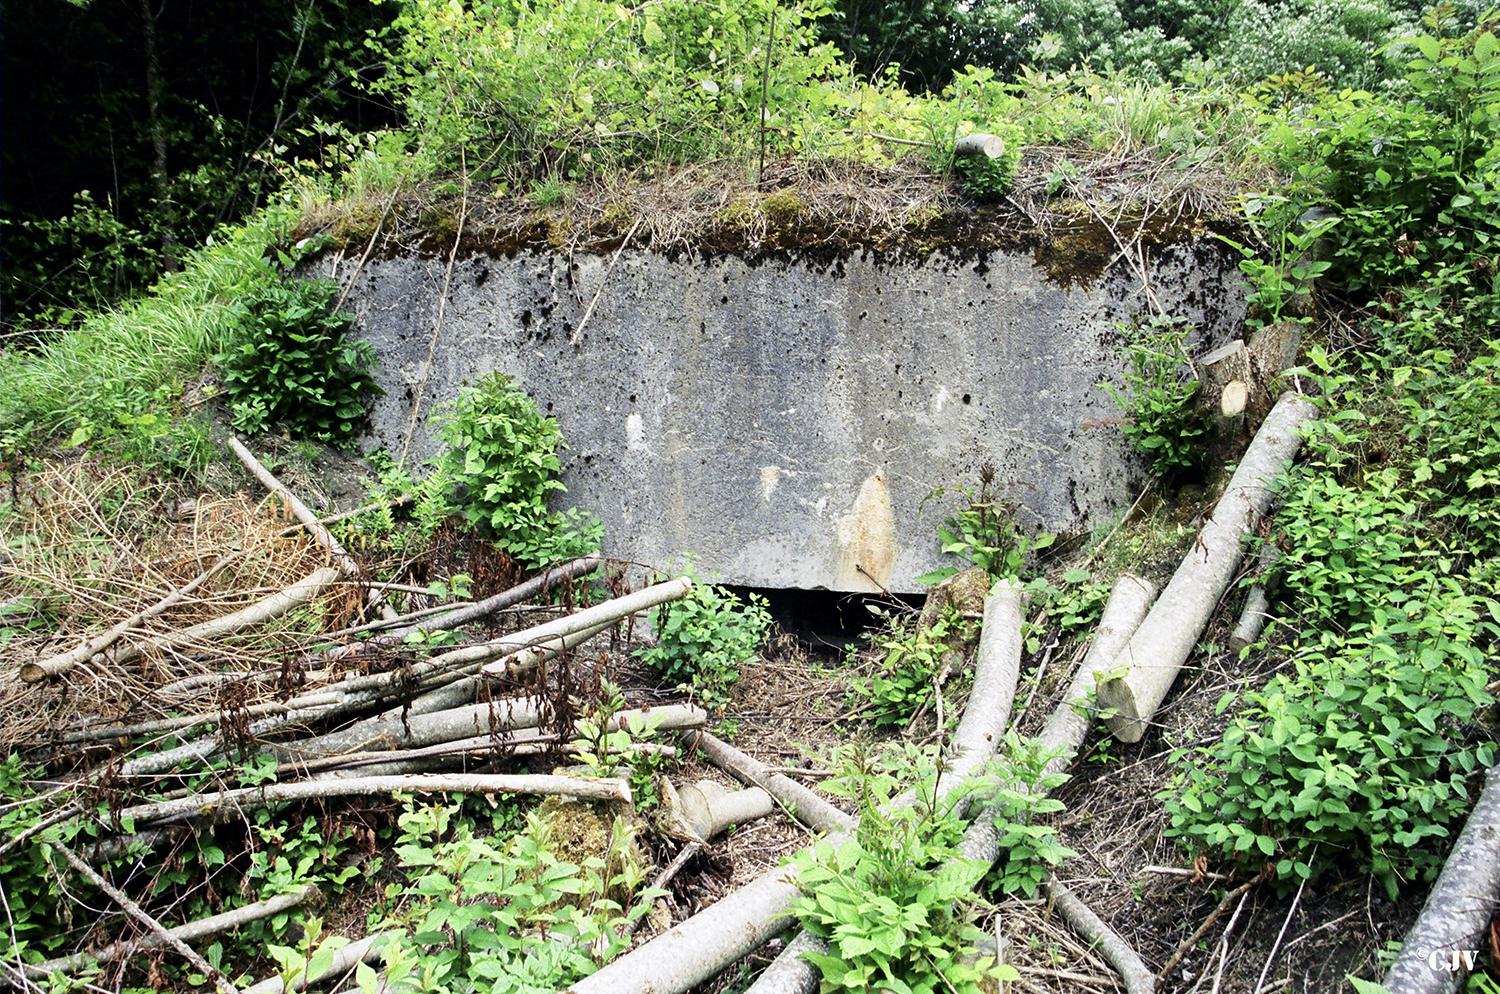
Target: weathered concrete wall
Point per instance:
(783, 419)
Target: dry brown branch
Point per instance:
(135, 911)
(225, 922)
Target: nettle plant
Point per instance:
(985, 533)
(475, 908)
(289, 362)
(704, 639)
(910, 657)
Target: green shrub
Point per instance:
(704, 639)
(476, 908)
(1158, 401)
(289, 363)
(909, 662)
(892, 902)
(1358, 755)
(986, 534)
(502, 461)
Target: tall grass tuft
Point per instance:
(120, 377)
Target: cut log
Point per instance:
(225, 922)
(62, 662)
(1166, 638)
(697, 812)
(416, 760)
(250, 798)
(534, 587)
(1257, 603)
(365, 692)
(139, 914)
(806, 805)
(1456, 917)
(989, 146)
(1129, 600)
(996, 673)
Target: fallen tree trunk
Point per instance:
(258, 613)
(1129, 600)
(250, 798)
(694, 950)
(347, 564)
(1451, 929)
(1166, 638)
(364, 692)
(1138, 979)
(482, 609)
(192, 930)
(371, 763)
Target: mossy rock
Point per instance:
(584, 830)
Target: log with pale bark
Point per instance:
(695, 950)
(250, 798)
(1166, 638)
(1120, 954)
(533, 587)
(363, 693)
(805, 804)
(699, 811)
(365, 950)
(226, 922)
(434, 730)
(980, 144)
(1456, 917)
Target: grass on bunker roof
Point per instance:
(811, 207)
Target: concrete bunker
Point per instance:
(796, 420)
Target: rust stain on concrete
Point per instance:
(867, 538)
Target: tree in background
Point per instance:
(136, 126)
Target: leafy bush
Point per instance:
(704, 639)
(475, 907)
(1158, 401)
(1029, 849)
(985, 533)
(892, 902)
(1358, 754)
(502, 459)
(289, 362)
(910, 657)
